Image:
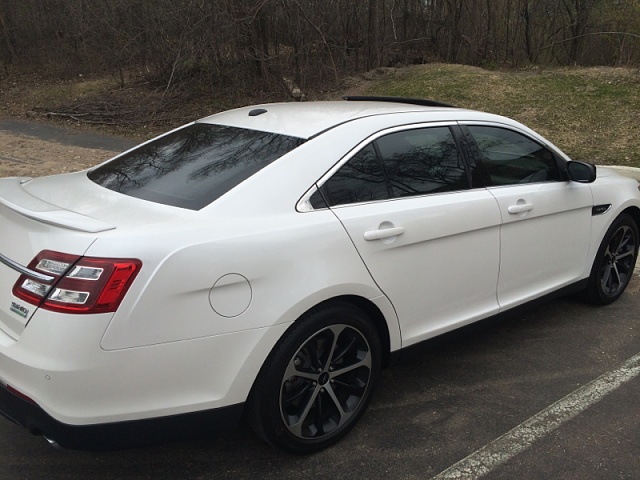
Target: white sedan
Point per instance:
(268, 261)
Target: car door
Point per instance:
(546, 219)
(430, 241)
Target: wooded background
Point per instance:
(249, 44)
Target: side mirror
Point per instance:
(581, 172)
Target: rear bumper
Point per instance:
(83, 397)
(110, 436)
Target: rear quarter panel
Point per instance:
(290, 261)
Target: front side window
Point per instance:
(512, 158)
(193, 166)
(400, 164)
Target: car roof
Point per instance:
(307, 119)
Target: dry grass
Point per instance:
(590, 113)
(100, 104)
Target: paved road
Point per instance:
(456, 399)
(65, 136)
(430, 412)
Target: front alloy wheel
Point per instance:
(615, 261)
(618, 261)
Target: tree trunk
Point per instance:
(372, 60)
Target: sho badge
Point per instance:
(19, 309)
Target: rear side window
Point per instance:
(193, 166)
(408, 163)
(422, 161)
(361, 179)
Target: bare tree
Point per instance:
(257, 44)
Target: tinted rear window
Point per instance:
(193, 166)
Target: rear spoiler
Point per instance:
(16, 199)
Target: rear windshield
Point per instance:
(193, 166)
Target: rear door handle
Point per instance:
(383, 233)
(520, 208)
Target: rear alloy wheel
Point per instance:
(318, 380)
(615, 261)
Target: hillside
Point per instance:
(590, 113)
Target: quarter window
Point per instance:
(511, 158)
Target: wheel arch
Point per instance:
(603, 286)
(634, 212)
(371, 310)
(259, 406)
(374, 314)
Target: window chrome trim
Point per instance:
(304, 204)
(374, 137)
(26, 271)
(407, 197)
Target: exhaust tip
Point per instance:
(53, 443)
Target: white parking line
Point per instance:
(492, 455)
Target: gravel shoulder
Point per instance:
(26, 156)
(36, 149)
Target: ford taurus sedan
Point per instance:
(269, 261)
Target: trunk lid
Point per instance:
(28, 225)
(68, 213)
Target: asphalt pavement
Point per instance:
(461, 395)
(548, 394)
(66, 136)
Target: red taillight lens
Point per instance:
(80, 284)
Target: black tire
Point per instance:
(614, 263)
(317, 381)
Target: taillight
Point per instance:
(77, 284)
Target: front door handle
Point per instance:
(520, 208)
(383, 233)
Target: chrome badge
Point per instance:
(19, 309)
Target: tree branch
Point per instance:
(626, 34)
